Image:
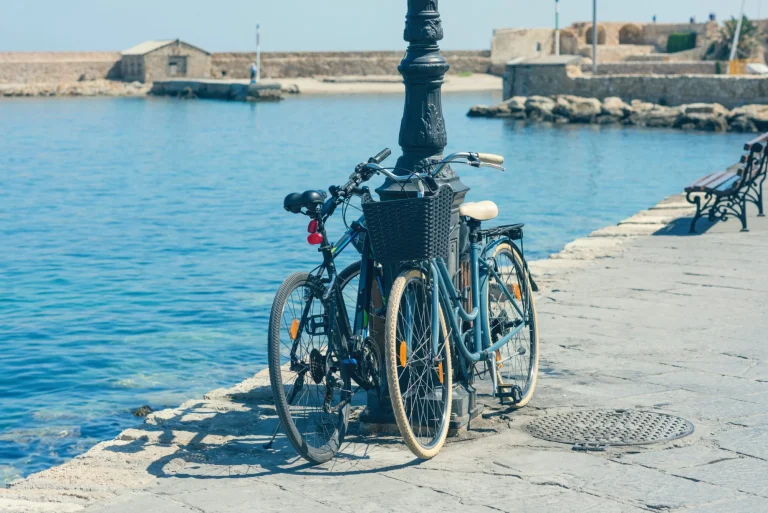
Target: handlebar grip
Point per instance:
(490, 158)
(381, 157)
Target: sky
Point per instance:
(308, 25)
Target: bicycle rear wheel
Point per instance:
(311, 394)
(517, 362)
(419, 378)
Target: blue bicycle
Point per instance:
(487, 327)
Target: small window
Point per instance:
(177, 66)
(538, 46)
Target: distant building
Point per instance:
(618, 41)
(159, 60)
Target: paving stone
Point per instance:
(752, 442)
(707, 382)
(742, 474)
(696, 406)
(674, 459)
(745, 504)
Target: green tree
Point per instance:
(749, 40)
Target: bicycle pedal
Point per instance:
(509, 392)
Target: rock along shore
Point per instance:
(564, 109)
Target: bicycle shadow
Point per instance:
(227, 439)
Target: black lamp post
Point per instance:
(422, 130)
(423, 139)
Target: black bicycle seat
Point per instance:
(310, 200)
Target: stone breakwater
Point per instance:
(84, 88)
(564, 109)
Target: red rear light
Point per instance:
(315, 239)
(312, 228)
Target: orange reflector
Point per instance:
(403, 354)
(498, 355)
(440, 372)
(294, 329)
(518, 293)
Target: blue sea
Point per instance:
(142, 239)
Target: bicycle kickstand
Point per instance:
(272, 440)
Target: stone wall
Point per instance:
(549, 80)
(654, 68)
(618, 53)
(236, 65)
(658, 34)
(57, 67)
(508, 44)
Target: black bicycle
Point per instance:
(321, 349)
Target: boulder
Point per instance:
(755, 114)
(505, 110)
(607, 119)
(539, 108)
(516, 104)
(712, 124)
(709, 117)
(640, 106)
(482, 111)
(705, 109)
(577, 109)
(742, 124)
(614, 106)
(658, 116)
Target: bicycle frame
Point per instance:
(347, 333)
(450, 300)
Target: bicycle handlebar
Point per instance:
(490, 158)
(364, 172)
(381, 157)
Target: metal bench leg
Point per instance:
(697, 201)
(743, 214)
(760, 198)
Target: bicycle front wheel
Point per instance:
(418, 361)
(516, 363)
(311, 395)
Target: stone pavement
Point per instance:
(667, 322)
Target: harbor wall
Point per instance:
(236, 65)
(654, 68)
(58, 67)
(67, 67)
(555, 79)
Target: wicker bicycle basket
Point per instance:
(410, 229)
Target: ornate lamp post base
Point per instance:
(423, 139)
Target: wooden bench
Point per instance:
(725, 194)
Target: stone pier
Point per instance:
(637, 316)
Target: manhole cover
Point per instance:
(610, 427)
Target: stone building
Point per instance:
(617, 41)
(159, 60)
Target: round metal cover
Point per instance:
(610, 427)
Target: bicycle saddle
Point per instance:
(294, 202)
(480, 211)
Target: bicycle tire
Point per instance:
(295, 422)
(425, 442)
(527, 339)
